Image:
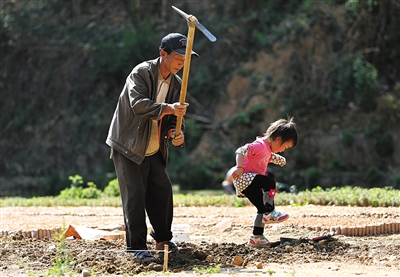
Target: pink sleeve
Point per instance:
(254, 148)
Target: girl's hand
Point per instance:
(237, 173)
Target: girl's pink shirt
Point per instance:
(258, 156)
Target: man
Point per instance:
(143, 121)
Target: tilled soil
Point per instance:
(292, 253)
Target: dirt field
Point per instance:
(207, 246)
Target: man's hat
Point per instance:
(175, 42)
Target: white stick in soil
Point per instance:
(165, 268)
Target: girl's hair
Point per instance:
(284, 128)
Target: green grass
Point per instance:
(344, 196)
(208, 270)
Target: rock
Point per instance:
(238, 261)
(85, 273)
(288, 248)
(155, 267)
(322, 242)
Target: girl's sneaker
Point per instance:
(259, 241)
(274, 217)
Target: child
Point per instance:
(250, 180)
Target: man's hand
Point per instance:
(177, 139)
(178, 109)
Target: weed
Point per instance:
(208, 270)
(152, 273)
(63, 260)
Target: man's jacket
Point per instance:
(130, 127)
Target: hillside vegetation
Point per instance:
(333, 65)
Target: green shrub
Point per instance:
(366, 84)
(77, 191)
(347, 137)
(256, 112)
(336, 164)
(385, 145)
(313, 174)
(301, 160)
(241, 118)
(396, 181)
(91, 192)
(369, 130)
(193, 134)
(112, 189)
(72, 192)
(115, 55)
(343, 81)
(373, 176)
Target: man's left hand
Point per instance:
(178, 139)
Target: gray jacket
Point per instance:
(130, 127)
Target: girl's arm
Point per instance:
(278, 159)
(241, 152)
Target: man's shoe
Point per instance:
(144, 256)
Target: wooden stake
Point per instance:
(165, 267)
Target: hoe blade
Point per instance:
(203, 29)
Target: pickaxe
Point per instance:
(192, 23)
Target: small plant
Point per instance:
(151, 273)
(208, 270)
(238, 203)
(63, 260)
(271, 272)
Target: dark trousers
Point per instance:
(145, 188)
(255, 193)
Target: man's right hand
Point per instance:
(178, 109)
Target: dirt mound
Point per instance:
(292, 253)
(21, 255)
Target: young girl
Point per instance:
(250, 180)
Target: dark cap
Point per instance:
(175, 42)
